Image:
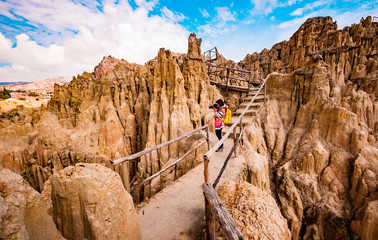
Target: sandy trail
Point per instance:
(177, 211)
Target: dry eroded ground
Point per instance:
(9, 104)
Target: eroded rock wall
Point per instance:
(119, 109)
(312, 143)
(254, 211)
(351, 53)
(23, 213)
(318, 127)
(90, 202)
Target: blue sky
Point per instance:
(45, 38)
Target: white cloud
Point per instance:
(175, 17)
(148, 5)
(263, 6)
(119, 31)
(309, 6)
(249, 22)
(272, 18)
(204, 13)
(225, 14)
(219, 24)
(292, 2)
(295, 23)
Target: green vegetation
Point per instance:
(33, 94)
(22, 98)
(4, 94)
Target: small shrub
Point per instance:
(4, 94)
(33, 94)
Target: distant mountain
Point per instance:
(8, 83)
(46, 85)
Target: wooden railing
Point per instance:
(213, 205)
(124, 161)
(211, 55)
(226, 74)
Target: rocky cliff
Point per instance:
(23, 212)
(254, 211)
(90, 202)
(311, 152)
(119, 109)
(319, 129)
(350, 53)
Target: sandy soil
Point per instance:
(177, 211)
(10, 104)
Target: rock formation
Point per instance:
(23, 213)
(350, 53)
(254, 211)
(364, 193)
(119, 109)
(312, 147)
(319, 128)
(90, 202)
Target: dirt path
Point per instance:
(177, 211)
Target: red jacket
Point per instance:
(219, 116)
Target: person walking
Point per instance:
(220, 109)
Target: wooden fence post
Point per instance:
(208, 137)
(265, 94)
(249, 81)
(205, 169)
(226, 222)
(125, 175)
(209, 217)
(228, 73)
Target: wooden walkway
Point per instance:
(177, 211)
(230, 87)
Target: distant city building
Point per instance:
(25, 95)
(13, 95)
(48, 95)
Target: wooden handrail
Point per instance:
(220, 142)
(233, 73)
(208, 54)
(225, 163)
(226, 222)
(224, 76)
(167, 167)
(213, 206)
(234, 69)
(139, 154)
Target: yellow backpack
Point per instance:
(228, 117)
